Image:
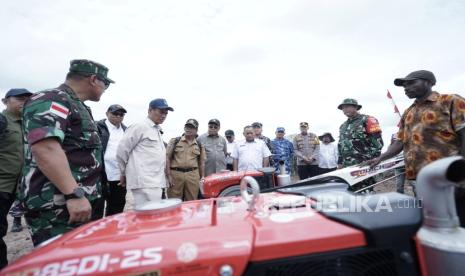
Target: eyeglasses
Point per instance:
(119, 114)
(105, 82)
(213, 127)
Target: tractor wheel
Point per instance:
(233, 191)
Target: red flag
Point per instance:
(389, 95)
(396, 110)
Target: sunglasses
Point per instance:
(119, 114)
(105, 82)
(213, 127)
(228, 136)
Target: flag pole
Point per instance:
(396, 110)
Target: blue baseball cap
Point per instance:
(280, 129)
(160, 104)
(18, 92)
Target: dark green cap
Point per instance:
(88, 67)
(350, 102)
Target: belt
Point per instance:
(184, 169)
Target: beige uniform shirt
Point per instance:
(141, 156)
(186, 154)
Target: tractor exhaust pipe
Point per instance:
(436, 187)
(283, 178)
(440, 237)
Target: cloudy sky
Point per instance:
(279, 62)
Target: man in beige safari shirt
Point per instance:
(142, 156)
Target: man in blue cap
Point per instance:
(283, 150)
(141, 156)
(11, 158)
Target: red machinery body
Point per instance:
(215, 183)
(197, 238)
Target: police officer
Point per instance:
(306, 148)
(359, 137)
(185, 163)
(11, 158)
(63, 156)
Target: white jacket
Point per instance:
(141, 156)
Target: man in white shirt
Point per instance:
(328, 154)
(251, 153)
(142, 156)
(229, 134)
(111, 131)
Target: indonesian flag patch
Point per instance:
(59, 110)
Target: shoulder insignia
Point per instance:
(372, 125)
(59, 110)
(36, 96)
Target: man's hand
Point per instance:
(79, 210)
(122, 181)
(170, 181)
(373, 162)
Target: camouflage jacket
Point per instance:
(283, 150)
(59, 114)
(359, 140)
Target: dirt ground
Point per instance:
(20, 243)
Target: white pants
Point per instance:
(144, 195)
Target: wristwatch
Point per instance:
(77, 193)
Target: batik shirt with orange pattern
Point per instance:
(429, 129)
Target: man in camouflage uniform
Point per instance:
(63, 152)
(359, 137)
(306, 149)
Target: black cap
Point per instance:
(257, 124)
(192, 122)
(116, 107)
(17, 92)
(415, 75)
(214, 122)
(229, 132)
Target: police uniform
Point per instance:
(185, 158)
(359, 138)
(59, 114)
(308, 146)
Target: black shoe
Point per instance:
(17, 227)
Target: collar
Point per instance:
(152, 124)
(69, 90)
(355, 117)
(112, 126)
(434, 96)
(12, 116)
(183, 138)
